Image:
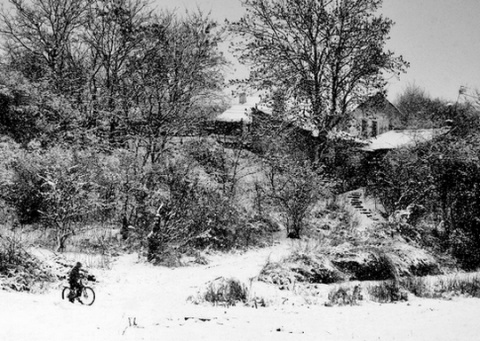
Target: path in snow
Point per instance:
(156, 298)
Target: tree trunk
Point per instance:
(61, 240)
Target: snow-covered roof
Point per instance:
(236, 113)
(242, 111)
(403, 138)
(265, 107)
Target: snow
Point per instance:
(138, 301)
(403, 138)
(243, 112)
(362, 221)
(236, 113)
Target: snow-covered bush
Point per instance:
(222, 291)
(58, 188)
(19, 270)
(345, 295)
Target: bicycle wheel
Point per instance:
(65, 293)
(87, 297)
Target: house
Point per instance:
(238, 118)
(234, 120)
(372, 126)
(373, 117)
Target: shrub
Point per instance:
(58, 188)
(202, 217)
(227, 291)
(345, 295)
(417, 286)
(303, 265)
(207, 154)
(443, 177)
(277, 274)
(313, 268)
(443, 286)
(196, 214)
(368, 264)
(469, 286)
(346, 165)
(19, 270)
(24, 192)
(295, 187)
(31, 111)
(387, 291)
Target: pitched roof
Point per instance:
(376, 101)
(379, 102)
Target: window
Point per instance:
(364, 131)
(374, 128)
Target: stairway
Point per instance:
(356, 199)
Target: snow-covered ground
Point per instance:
(137, 301)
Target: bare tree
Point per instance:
(44, 30)
(175, 72)
(112, 35)
(329, 54)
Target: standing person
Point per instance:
(74, 281)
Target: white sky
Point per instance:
(440, 39)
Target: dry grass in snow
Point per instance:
(137, 301)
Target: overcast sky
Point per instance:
(440, 39)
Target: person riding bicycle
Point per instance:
(74, 280)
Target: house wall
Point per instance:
(366, 124)
(373, 118)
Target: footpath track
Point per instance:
(137, 301)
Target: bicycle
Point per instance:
(87, 294)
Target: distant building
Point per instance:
(373, 117)
(372, 126)
(238, 117)
(234, 120)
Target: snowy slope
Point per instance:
(137, 301)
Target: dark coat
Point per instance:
(74, 275)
